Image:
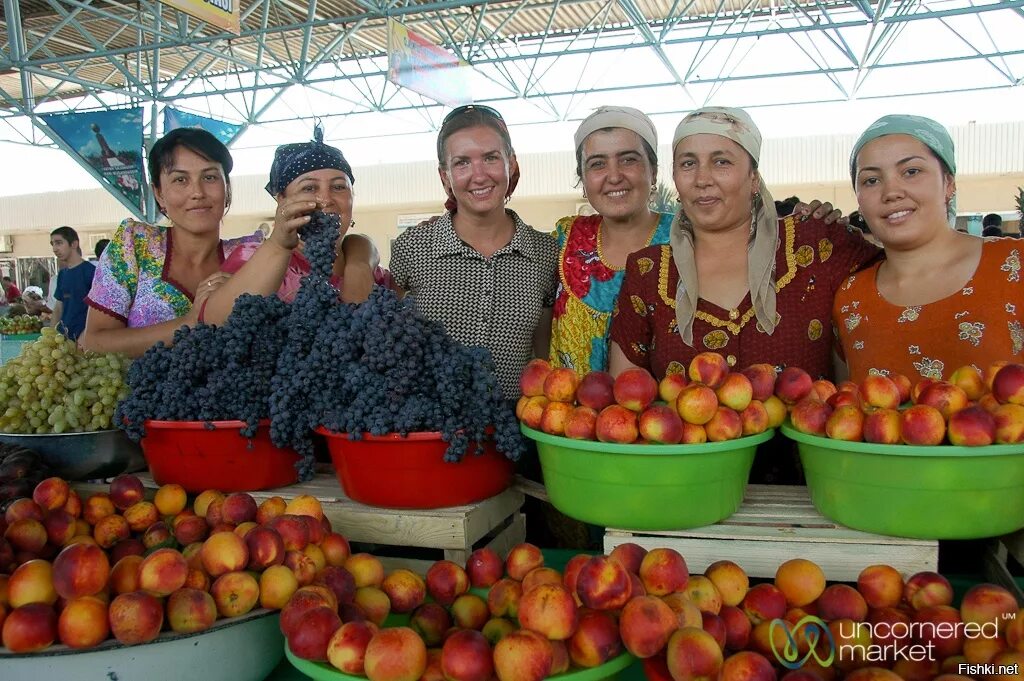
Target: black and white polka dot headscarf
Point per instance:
(293, 160)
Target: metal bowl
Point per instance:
(83, 456)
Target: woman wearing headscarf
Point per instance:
(153, 279)
(482, 272)
(304, 177)
(941, 299)
(735, 278)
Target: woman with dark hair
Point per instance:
(153, 279)
(482, 272)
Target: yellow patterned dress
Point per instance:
(587, 290)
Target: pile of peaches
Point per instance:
(518, 620)
(973, 408)
(706, 403)
(78, 572)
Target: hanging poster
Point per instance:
(222, 130)
(220, 13)
(110, 142)
(419, 65)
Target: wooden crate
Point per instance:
(779, 522)
(997, 555)
(496, 522)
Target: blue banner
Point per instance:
(109, 142)
(176, 118)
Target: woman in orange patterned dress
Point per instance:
(941, 299)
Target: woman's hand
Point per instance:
(290, 216)
(821, 211)
(205, 290)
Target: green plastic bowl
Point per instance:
(646, 487)
(941, 492)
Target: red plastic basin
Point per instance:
(198, 458)
(392, 471)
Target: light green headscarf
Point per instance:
(735, 125)
(928, 132)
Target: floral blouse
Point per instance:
(977, 325)
(587, 291)
(133, 282)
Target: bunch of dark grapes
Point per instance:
(377, 367)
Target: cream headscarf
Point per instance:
(618, 117)
(735, 125)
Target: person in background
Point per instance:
(940, 299)
(479, 270)
(992, 230)
(992, 220)
(11, 290)
(73, 283)
(35, 304)
(100, 246)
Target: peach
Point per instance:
(730, 580)
(224, 552)
(801, 581)
(971, 427)
(110, 530)
(1008, 659)
(793, 384)
(927, 588)
(1009, 423)
(521, 559)
(603, 584)
(29, 628)
(346, 650)
(617, 424)
(533, 411)
(755, 418)
(531, 381)
(235, 593)
(431, 621)
(158, 536)
(302, 565)
(852, 642)
(984, 603)
(170, 499)
(881, 586)
(126, 490)
(73, 506)
(336, 549)
(596, 639)
(704, 594)
(714, 625)
(646, 624)
(396, 654)
(294, 611)
(693, 434)
(265, 547)
(31, 582)
(846, 423)
(1014, 632)
(27, 535)
(23, 508)
(670, 386)
(903, 383)
(311, 639)
(277, 585)
(746, 666)
(541, 575)
(912, 670)
(663, 571)
(688, 614)
(635, 389)
(628, 555)
(989, 374)
(51, 493)
(581, 424)
(737, 627)
(883, 426)
(777, 411)
(163, 572)
(469, 611)
(338, 580)
(692, 654)
(367, 569)
(503, 598)
(83, 622)
(124, 577)
(823, 389)
(596, 390)
(709, 368)
(982, 650)
(294, 531)
(764, 602)
(484, 567)
(496, 629)
(550, 610)
(841, 601)
(197, 579)
(843, 398)
(560, 385)
(560, 660)
(891, 627)
(190, 529)
(726, 424)
(661, 424)
(945, 397)
(523, 655)
(305, 505)
(239, 508)
(135, 617)
(1008, 384)
(939, 626)
(696, 404)
(190, 611)
(555, 415)
(141, 515)
(880, 391)
(735, 392)
(872, 674)
(270, 509)
(433, 671)
(765, 638)
(969, 379)
(466, 654)
(922, 425)
(810, 416)
(405, 589)
(80, 570)
(762, 380)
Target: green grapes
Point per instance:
(53, 387)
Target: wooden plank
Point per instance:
(840, 562)
(531, 488)
(417, 565)
(488, 514)
(514, 534)
(1014, 544)
(994, 558)
(769, 533)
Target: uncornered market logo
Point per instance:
(814, 630)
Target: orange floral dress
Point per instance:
(977, 325)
